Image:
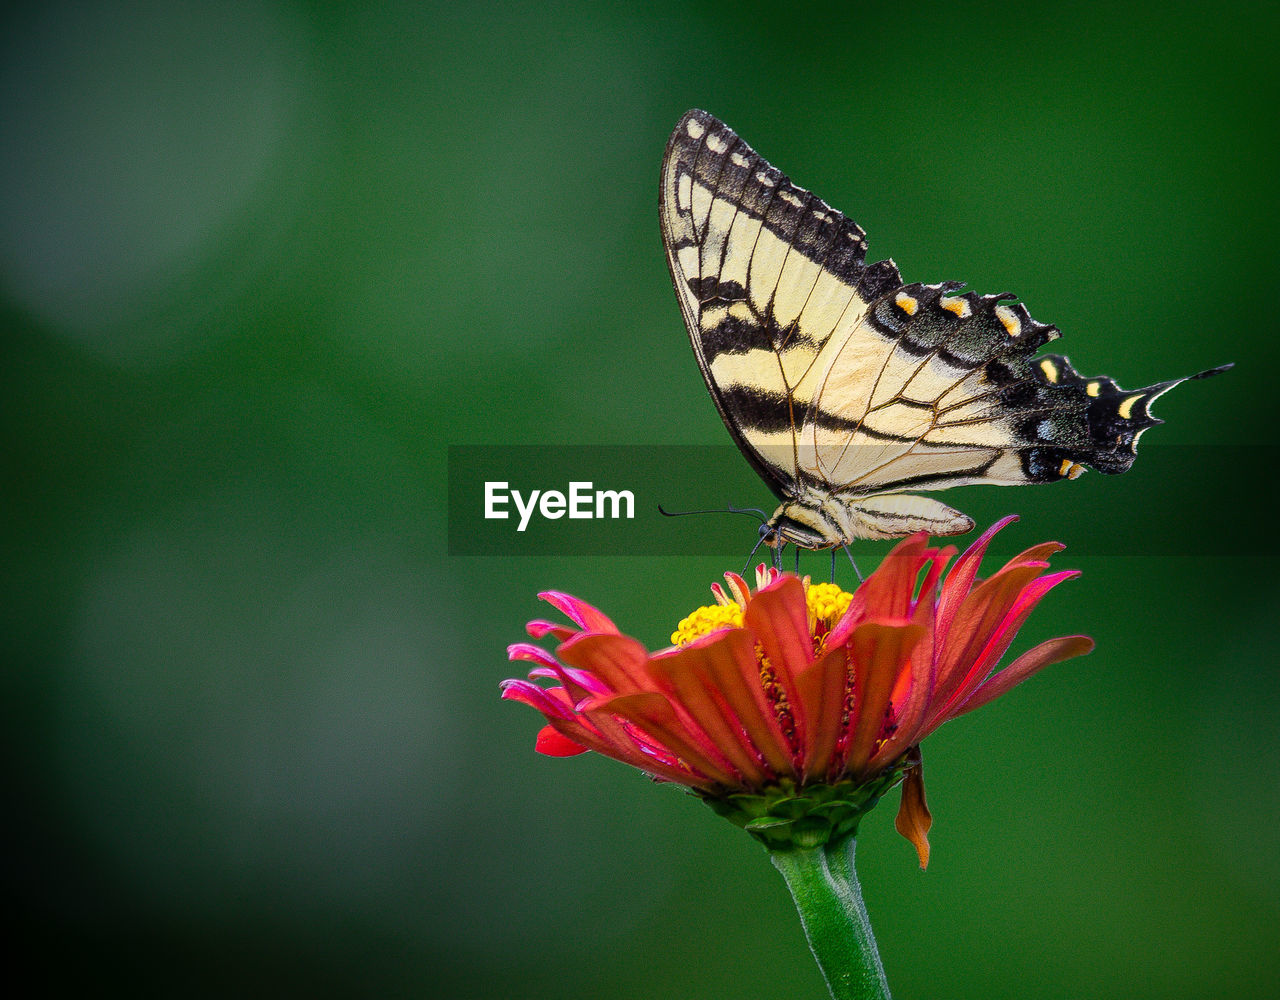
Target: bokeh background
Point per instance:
(261, 263)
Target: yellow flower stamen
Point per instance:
(706, 620)
(776, 694)
(826, 604)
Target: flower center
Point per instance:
(826, 604)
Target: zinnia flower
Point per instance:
(792, 707)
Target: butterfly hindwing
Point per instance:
(962, 398)
(942, 407)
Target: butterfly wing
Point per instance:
(838, 381)
(766, 275)
(960, 398)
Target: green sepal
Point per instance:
(785, 814)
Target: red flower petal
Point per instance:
(618, 660)
(730, 660)
(779, 619)
(654, 715)
(538, 628)
(578, 684)
(878, 653)
(588, 618)
(911, 709)
(997, 641)
(887, 592)
(915, 689)
(973, 624)
(911, 699)
(564, 718)
(822, 688)
(543, 699)
(1033, 660)
(530, 653)
(1037, 553)
(556, 744)
(609, 736)
(925, 604)
(960, 580)
(689, 676)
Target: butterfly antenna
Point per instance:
(755, 512)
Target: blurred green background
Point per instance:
(262, 263)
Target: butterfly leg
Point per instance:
(752, 554)
(857, 572)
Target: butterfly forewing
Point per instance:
(771, 281)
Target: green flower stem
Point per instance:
(825, 887)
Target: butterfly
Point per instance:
(848, 390)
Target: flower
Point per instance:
(792, 707)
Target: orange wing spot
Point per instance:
(906, 303)
(1012, 325)
(1070, 469)
(956, 305)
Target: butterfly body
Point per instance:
(848, 390)
(821, 519)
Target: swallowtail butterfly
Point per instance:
(848, 390)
